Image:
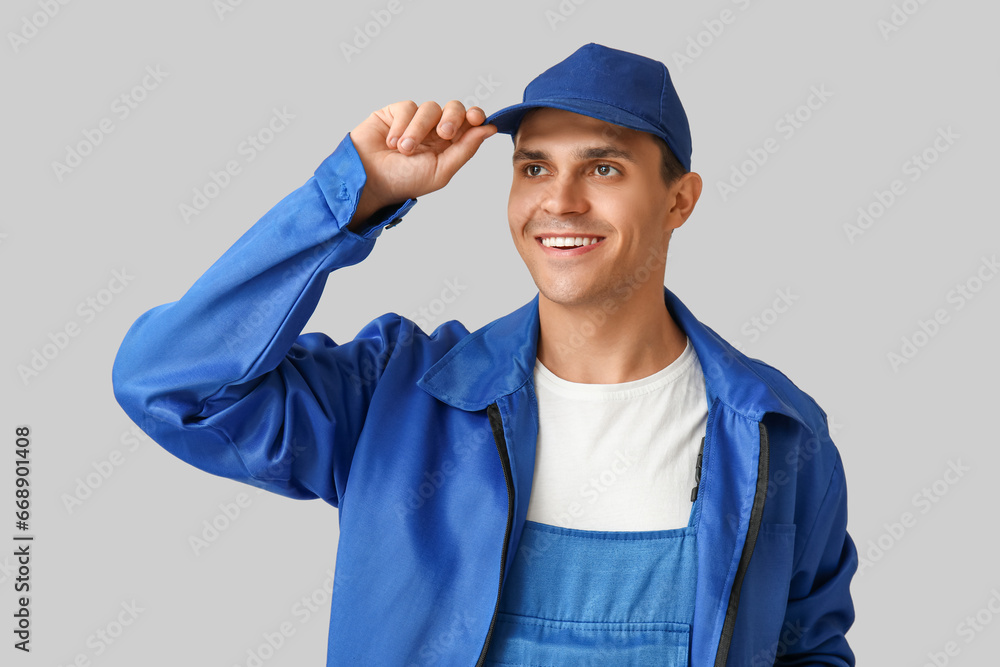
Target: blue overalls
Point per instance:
(590, 597)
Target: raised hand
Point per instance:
(408, 151)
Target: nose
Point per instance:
(565, 195)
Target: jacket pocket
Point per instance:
(522, 641)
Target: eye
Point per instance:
(606, 170)
(534, 170)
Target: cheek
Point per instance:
(515, 220)
(518, 209)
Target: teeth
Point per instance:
(565, 241)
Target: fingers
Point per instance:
(475, 116)
(423, 121)
(402, 113)
(452, 119)
(411, 124)
(462, 150)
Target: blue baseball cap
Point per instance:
(611, 85)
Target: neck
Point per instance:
(609, 343)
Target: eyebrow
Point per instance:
(589, 153)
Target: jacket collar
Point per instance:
(499, 358)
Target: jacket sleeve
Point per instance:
(820, 609)
(222, 379)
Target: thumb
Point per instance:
(452, 158)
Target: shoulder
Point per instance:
(809, 412)
(404, 338)
(801, 448)
(800, 435)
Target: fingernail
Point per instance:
(406, 144)
(393, 141)
(447, 128)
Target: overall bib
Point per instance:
(588, 597)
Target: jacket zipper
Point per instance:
(497, 426)
(756, 513)
(697, 471)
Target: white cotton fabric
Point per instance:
(619, 456)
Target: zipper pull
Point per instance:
(697, 471)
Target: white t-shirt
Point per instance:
(619, 456)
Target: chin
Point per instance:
(571, 295)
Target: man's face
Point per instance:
(577, 176)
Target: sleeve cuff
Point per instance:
(341, 177)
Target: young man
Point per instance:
(595, 478)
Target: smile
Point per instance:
(563, 246)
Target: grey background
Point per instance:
(897, 429)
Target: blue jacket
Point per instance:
(426, 442)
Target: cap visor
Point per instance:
(508, 119)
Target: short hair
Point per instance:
(670, 167)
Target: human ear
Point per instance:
(685, 193)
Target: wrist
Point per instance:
(368, 206)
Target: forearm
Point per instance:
(184, 366)
(244, 313)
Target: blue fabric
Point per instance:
(615, 86)
(577, 597)
(392, 428)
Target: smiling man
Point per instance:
(589, 207)
(595, 478)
